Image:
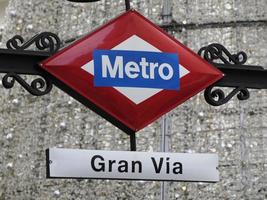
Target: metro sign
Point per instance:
(130, 71)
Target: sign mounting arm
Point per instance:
(237, 75)
(127, 5)
(16, 59)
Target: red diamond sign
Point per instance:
(130, 71)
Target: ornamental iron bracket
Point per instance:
(16, 59)
(237, 75)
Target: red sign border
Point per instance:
(135, 120)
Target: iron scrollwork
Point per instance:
(216, 54)
(46, 42)
(38, 87)
(216, 97)
(43, 41)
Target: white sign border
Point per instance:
(48, 174)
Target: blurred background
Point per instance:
(237, 131)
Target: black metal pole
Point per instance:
(127, 5)
(133, 142)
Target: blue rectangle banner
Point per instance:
(136, 69)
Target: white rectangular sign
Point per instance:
(128, 165)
